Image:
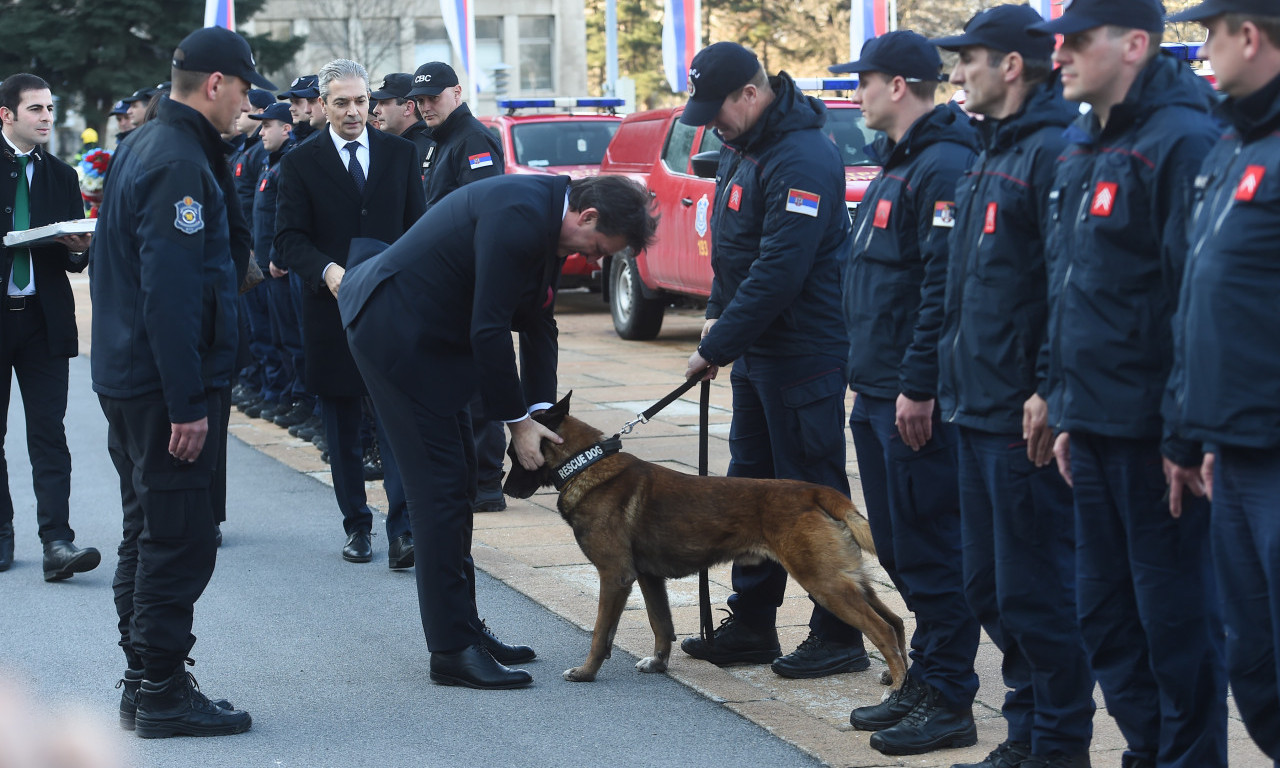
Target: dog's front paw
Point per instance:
(651, 664)
(579, 675)
(886, 677)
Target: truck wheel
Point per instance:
(635, 317)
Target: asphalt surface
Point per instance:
(327, 656)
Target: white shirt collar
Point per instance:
(32, 152)
(341, 143)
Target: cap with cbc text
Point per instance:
(277, 111)
(217, 49)
(1002, 28)
(717, 71)
(901, 53)
(120, 108)
(432, 78)
(394, 86)
(261, 99)
(1210, 8)
(1080, 15)
(302, 87)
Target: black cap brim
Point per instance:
(1067, 24)
(700, 112)
(1201, 12)
(257, 80)
(956, 42)
(427, 90)
(851, 67)
(383, 95)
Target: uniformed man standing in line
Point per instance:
(465, 151)
(1227, 350)
(303, 95)
(1016, 513)
(893, 300)
(162, 366)
(399, 115)
(1116, 239)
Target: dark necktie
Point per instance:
(21, 220)
(353, 165)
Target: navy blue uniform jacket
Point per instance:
(1116, 240)
(479, 265)
(246, 165)
(779, 235)
(896, 279)
(997, 301)
(264, 208)
(161, 273)
(1227, 376)
(465, 151)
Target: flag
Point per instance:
(220, 13)
(1049, 9)
(867, 19)
(460, 23)
(680, 40)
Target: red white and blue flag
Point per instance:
(1049, 9)
(460, 23)
(680, 40)
(220, 13)
(867, 19)
(482, 160)
(799, 201)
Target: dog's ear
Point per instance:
(553, 416)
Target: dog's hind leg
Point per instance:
(614, 591)
(654, 589)
(853, 602)
(889, 616)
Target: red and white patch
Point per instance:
(262, 185)
(1249, 183)
(239, 169)
(989, 221)
(735, 197)
(883, 208)
(1104, 198)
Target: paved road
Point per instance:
(328, 656)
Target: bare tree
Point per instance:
(367, 31)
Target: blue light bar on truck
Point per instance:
(1184, 51)
(562, 102)
(827, 83)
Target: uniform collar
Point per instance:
(181, 116)
(456, 118)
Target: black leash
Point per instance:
(653, 410)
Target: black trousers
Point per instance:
(168, 552)
(42, 378)
(342, 420)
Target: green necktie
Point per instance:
(21, 220)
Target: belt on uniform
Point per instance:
(19, 303)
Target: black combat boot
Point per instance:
(176, 707)
(889, 712)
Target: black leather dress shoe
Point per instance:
(62, 558)
(473, 667)
(503, 653)
(359, 548)
(6, 546)
(400, 552)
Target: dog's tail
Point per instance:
(860, 529)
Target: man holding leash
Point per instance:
(780, 230)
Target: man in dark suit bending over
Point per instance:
(430, 320)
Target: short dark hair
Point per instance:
(185, 81)
(14, 86)
(1033, 70)
(925, 90)
(625, 207)
(1270, 25)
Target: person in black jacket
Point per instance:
(163, 282)
(37, 323)
(430, 321)
(1116, 240)
(780, 229)
(893, 294)
(465, 152)
(1227, 349)
(1016, 512)
(303, 95)
(399, 115)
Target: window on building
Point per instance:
(488, 49)
(537, 39)
(279, 29)
(431, 42)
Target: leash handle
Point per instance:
(704, 583)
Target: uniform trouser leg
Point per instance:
(24, 348)
(284, 329)
(788, 417)
(918, 515)
(167, 553)
(1019, 568)
(342, 433)
(1146, 598)
(436, 454)
(249, 371)
(264, 352)
(218, 491)
(1246, 549)
(296, 288)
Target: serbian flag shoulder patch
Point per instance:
(799, 201)
(482, 160)
(944, 214)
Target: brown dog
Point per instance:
(638, 521)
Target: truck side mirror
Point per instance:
(705, 164)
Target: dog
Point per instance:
(637, 521)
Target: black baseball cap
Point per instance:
(120, 108)
(1002, 28)
(394, 86)
(901, 53)
(277, 111)
(218, 49)
(431, 79)
(1210, 8)
(717, 71)
(1079, 15)
(302, 87)
(261, 99)
(142, 94)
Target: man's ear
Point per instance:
(587, 216)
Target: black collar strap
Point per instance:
(575, 464)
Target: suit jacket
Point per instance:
(318, 212)
(54, 196)
(480, 264)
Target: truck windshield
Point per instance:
(563, 142)
(851, 135)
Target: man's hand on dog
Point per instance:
(526, 436)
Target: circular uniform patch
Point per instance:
(189, 219)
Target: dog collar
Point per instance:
(580, 461)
